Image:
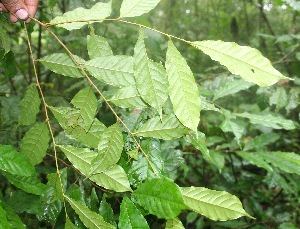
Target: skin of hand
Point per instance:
(19, 9)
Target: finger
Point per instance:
(17, 8)
(3, 9)
(31, 6)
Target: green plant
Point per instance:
(136, 157)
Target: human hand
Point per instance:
(19, 9)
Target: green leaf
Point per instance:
(133, 8)
(90, 219)
(35, 143)
(86, 101)
(58, 183)
(184, 93)
(230, 125)
(114, 178)
(69, 224)
(128, 97)
(208, 106)
(161, 197)
(255, 159)
(269, 120)
(167, 127)
(130, 216)
(109, 149)
(70, 20)
(29, 106)
(174, 224)
(106, 211)
(261, 141)
(113, 70)
(279, 98)
(150, 77)
(5, 40)
(98, 46)
(12, 217)
(3, 219)
(80, 158)
(241, 60)
(28, 184)
(288, 162)
(63, 64)
(14, 162)
(216, 205)
(67, 117)
(231, 88)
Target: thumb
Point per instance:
(17, 8)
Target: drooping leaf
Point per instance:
(113, 70)
(63, 64)
(167, 127)
(109, 149)
(14, 162)
(130, 216)
(134, 8)
(98, 46)
(199, 142)
(128, 97)
(69, 224)
(85, 100)
(261, 141)
(255, 159)
(269, 120)
(184, 93)
(288, 162)
(58, 183)
(5, 40)
(150, 77)
(90, 219)
(28, 184)
(216, 205)
(35, 143)
(3, 219)
(29, 106)
(161, 197)
(231, 88)
(174, 224)
(241, 60)
(71, 19)
(81, 158)
(114, 178)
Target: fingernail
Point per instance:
(22, 14)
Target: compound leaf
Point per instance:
(161, 197)
(90, 219)
(184, 93)
(113, 70)
(216, 205)
(29, 106)
(35, 143)
(71, 19)
(130, 216)
(133, 8)
(244, 61)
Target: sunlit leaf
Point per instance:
(184, 93)
(255, 159)
(130, 216)
(3, 219)
(216, 205)
(113, 70)
(244, 61)
(150, 77)
(288, 162)
(98, 46)
(114, 178)
(63, 64)
(128, 97)
(109, 149)
(85, 100)
(35, 143)
(161, 197)
(29, 106)
(167, 127)
(269, 120)
(133, 8)
(90, 219)
(231, 88)
(14, 162)
(174, 224)
(99, 11)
